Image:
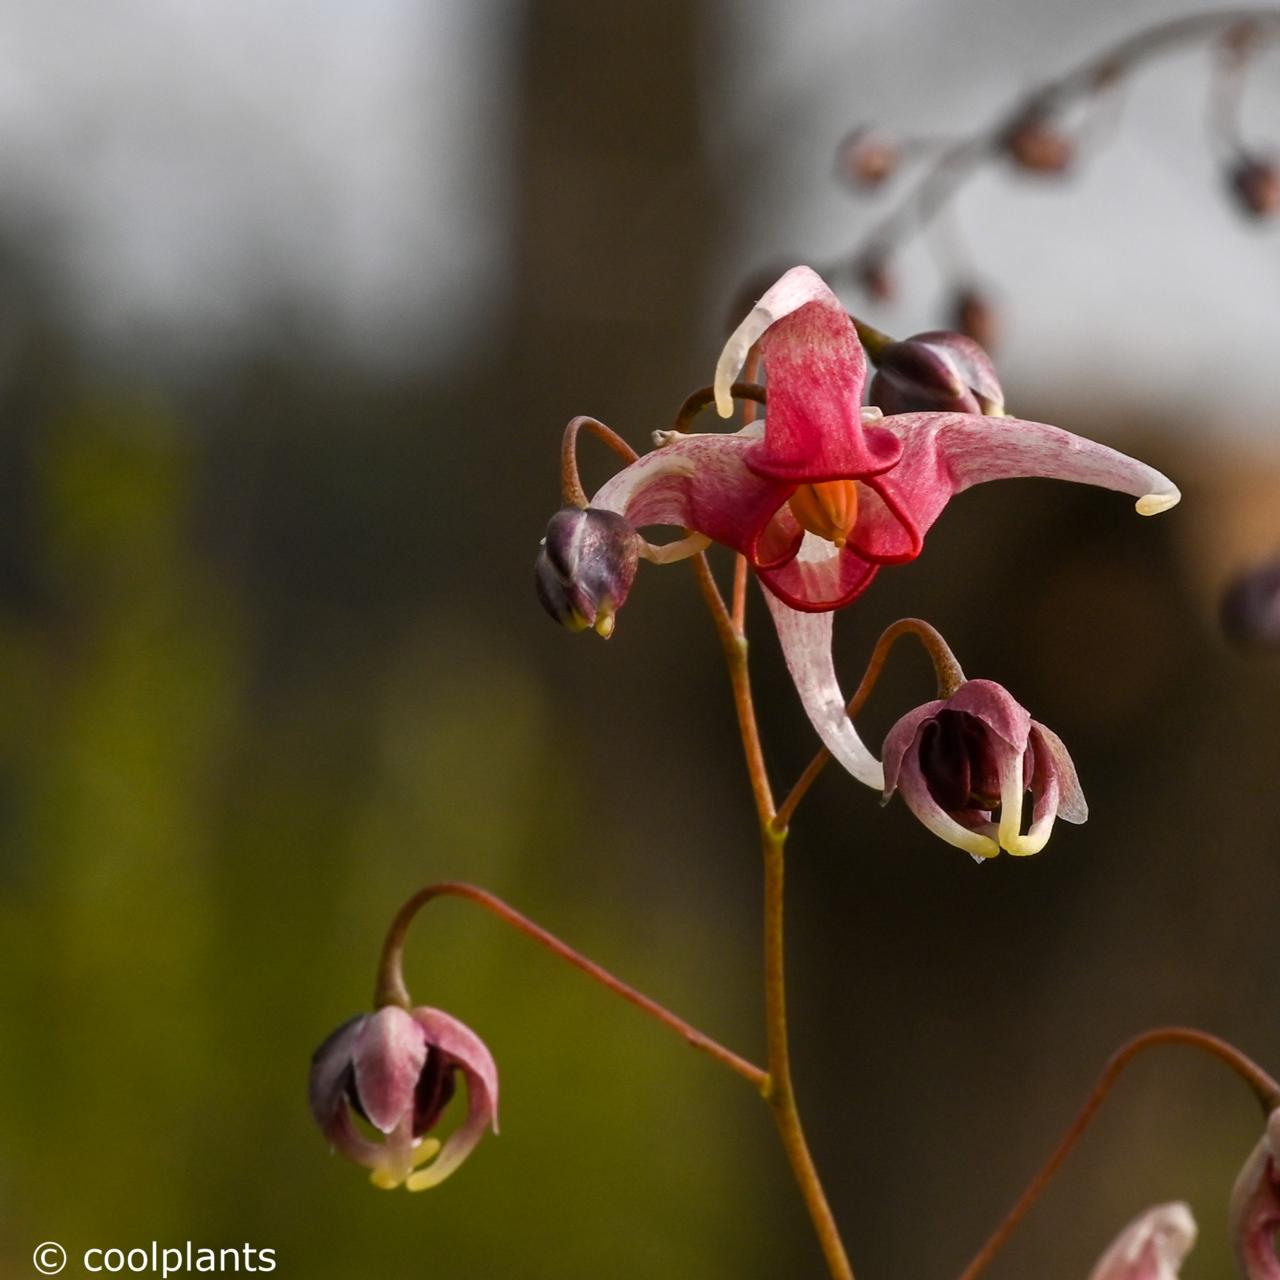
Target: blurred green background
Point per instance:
(270, 659)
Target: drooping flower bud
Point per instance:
(875, 277)
(1255, 183)
(586, 567)
(866, 158)
(397, 1071)
(1036, 145)
(974, 314)
(1151, 1247)
(1250, 608)
(965, 763)
(942, 371)
(1254, 1215)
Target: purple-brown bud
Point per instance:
(586, 567)
(1035, 145)
(938, 371)
(974, 314)
(1255, 183)
(397, 1071)
(1250, 608)
(866, 158)
(875, 277)
(965, 763)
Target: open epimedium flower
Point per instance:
(1255, 1207)
(850, 489)
(397, 1070)
(1151, 1247)
(964, 765)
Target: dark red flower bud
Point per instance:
(1255, 183)
(939, 371)
(1037, 146)
(1250, 608)
(586, 567)
(866, 158)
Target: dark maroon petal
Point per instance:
(436, 1087)
(902, 739)
(331, 1069)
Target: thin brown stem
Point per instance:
(945, 667)
(391, 987)
(698, 400)
(734, 645)
(570, 482)
(779, 1091)
(1264, 1087)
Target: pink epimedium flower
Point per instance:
(1151, 1247)
(397, 1070)
(959, 760)
(1255, 1207)
(825, 492)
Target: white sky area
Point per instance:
(1136, 278)
(198, 163)
(200, 159)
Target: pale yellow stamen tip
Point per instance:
(425, 1150)
(1154, 503)
(384, 1179)
(604, 621)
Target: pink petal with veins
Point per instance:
(461, 1045)
(945, 453)
(1254, 1214)
(1151, 1247)
(388, 1058)
(816, 370)
(806, 646)
(997, 708)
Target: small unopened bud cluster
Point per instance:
(1036, 145)
(1255, 182)
(867, 158)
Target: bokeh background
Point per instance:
(294, 302)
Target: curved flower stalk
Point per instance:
(957, 760)
(1151, 1247)
(1255, 1207)
(397, 1069)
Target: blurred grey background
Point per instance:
(294, 303)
